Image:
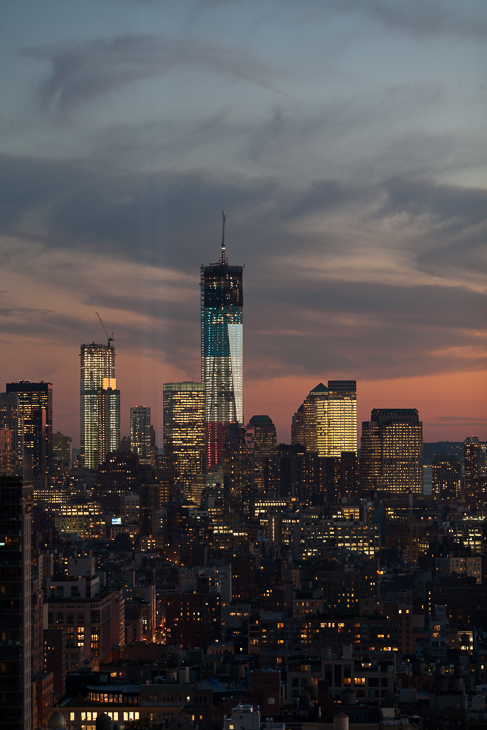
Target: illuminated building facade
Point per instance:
(392, 451)
(85, 520)
(184, 430)
(221, 352)
(35, 404)
(141, 433)
(100, 404)
(475, 457)
(350, 537)
(446, 478)
(11, 435)
(326, 423)
(62, 451)
(342, 417)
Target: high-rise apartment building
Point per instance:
(446, 476)
(391, 456)
(141, 433)
(15, 604)
(35, 404)
(475, 458)
(184, 430)
(326, 423)
(100, 404)
(221, 352)
(62, 453)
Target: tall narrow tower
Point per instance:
(100, 404)
(221, 351)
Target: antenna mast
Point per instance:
(109, 337)
(224, 220)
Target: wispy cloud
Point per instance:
(424, 17)
(85, 71)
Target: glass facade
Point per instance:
(342, 416)
(221, 353)
(35, 408)
(184, 431)
(392, 451)
(100, 404)
(326, 423)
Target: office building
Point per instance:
(297, 427)
(11, 435)
(100, 404)
(184, 430)
(35, 404)
(262, 442)
(141, 433)
(392, 451)
(342, 417)
(326, 423)
(221, 352)
(15, 604)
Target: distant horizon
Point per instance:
(345, 143)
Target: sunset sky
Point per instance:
(344, 139)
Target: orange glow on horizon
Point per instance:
(451, 406)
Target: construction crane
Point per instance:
(109, 337)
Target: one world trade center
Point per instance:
(221, 351)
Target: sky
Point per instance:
(344, 139)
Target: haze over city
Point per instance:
(346, 144)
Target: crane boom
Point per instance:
(109, 337)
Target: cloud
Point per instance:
(85, 71)
(418, 18)
(424, 17)
(339, 277)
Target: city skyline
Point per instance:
(345, 144)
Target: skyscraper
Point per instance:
(11, 435)
(100, 404)
(221, 351)
(141, 433)
(342, 417)
(184, 430)
(35, 404)
(326, 423)
(391, 456)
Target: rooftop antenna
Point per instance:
(224, 220)
(109, 337)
